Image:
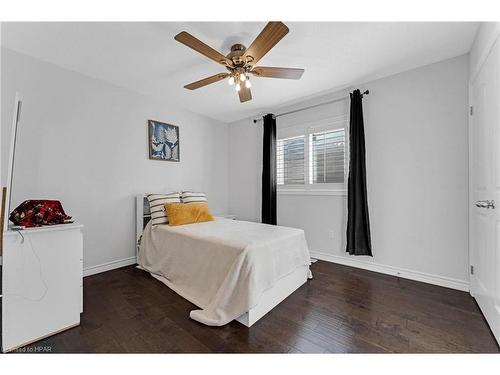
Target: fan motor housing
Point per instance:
(237, 51)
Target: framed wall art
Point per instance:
(163, 141)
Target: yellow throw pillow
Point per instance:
(181, 213)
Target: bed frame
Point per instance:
(269, 299)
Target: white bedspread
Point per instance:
(222, 266)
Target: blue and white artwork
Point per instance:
(163, 141)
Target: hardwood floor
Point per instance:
(342, 310)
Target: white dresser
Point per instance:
(42, 283)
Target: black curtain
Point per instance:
(269, 170)
(358, 223)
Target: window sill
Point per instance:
(334, 192)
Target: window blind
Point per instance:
(327, 159)
(290, 160)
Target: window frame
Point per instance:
(324, 125)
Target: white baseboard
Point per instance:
(447, 282)
(92, 270)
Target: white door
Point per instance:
(485, 189)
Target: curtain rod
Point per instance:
(311, 106)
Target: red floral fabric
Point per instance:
(35, 213)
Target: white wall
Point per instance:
(84, 142)
(416, 140)
(245, 169)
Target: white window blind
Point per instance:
(327, 160)
(290, 160)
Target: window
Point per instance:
(290, 160)
(312, 158)
(327, 157)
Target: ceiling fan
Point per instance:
(241, 60)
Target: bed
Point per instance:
(229, 269)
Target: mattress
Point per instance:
(222, 266)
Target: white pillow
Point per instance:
(193, 197)
(157, 206)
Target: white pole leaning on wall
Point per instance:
(16, 117)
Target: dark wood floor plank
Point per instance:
(398, 305)
(359, 285)
(390, 317)
(341, 310)
(354, 277)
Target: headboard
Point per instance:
(143, 215)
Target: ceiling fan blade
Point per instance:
(206, 81)
(245, 94)
(196, 44)
(274, 72)
(267, 39)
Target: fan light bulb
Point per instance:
(237, 87)
(230, 81)
(243, 77)
(248, 84)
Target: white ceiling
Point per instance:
(145, 58)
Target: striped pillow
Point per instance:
(193, 197)
(157, 206)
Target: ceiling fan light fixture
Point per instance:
(241, 61)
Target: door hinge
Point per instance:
(471, 110)
(472, 270)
